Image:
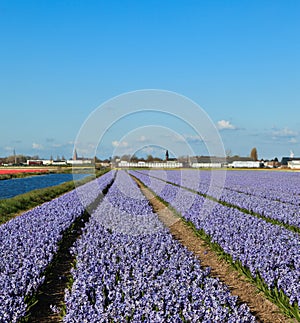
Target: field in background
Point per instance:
(9, 171)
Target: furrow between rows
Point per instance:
(267, 254)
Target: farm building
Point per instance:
(206, 165)
(167, 164)
(294, 164)
(50, 162)
(34, 162)
(79, 162)
(286, 160)
(207, 162)
(274, 163)
(217, 162)
(246, 164)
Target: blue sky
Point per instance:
(238, 60)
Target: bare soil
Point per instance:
(264, 310)
(52, 292)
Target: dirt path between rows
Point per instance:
(264, 310)
(52, 292)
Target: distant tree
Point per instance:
(21, 158)
(11, 159)
(134, 159)
(253, 154)
(96, 160)
(228, 153)
(149, 158)
(126, 157)
(183, 159)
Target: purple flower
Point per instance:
(130, 269)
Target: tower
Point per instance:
(75, 157)
(167, 155)
(15, 156)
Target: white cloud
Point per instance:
(37, 146)
(122, 144)
(224, 124)
(57, 145)
(285, 132)
(193, 138)
(293, 141)
(149, 150)
(142, 139)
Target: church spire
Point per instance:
(75, 156)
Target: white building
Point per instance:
(79, 162)
(294, 164)
(35, 162)
(206, 165)
(245, 164)
(168, 164)
(59, 163)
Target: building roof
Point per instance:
(214, 159)
(285, 160)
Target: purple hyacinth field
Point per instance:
(130, 269)
(269, 251)
(127, 266)
(29, 242)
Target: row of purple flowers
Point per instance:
(280, 186)
(247, 190)
(130, 269)
(266, 249)
(29, 242)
